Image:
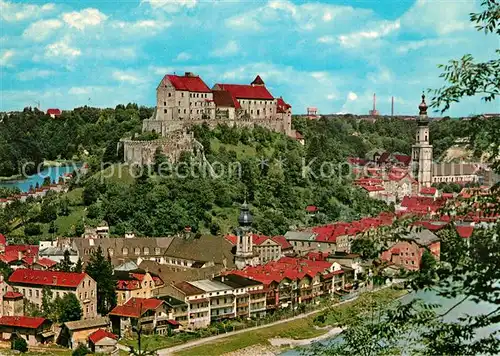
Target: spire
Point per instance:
(423, 106)
(245, 218)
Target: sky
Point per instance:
(332, 55)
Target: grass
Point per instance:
(242, 151)
(116, 173)
(156, 342)
(75, 196)
(295, 329)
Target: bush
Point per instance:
(81, 350)
(19, 344)
(32, 229)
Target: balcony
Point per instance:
(242, 312)
(147, 319)
(241, 305)
(199, 310)
(218, 306)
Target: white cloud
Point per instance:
(79, 90)
(243, 23)
(429, 42)
(161, 71)
(283, 5)
(62, 50)
(331, 96)
(352, 96)
(141, 27)
(35, 73)
(384, 75)
(230, 49)
(119, 53)
(327, 17)
(326, 39)
(12, 12)
(84, 18)
(127, 77)
(441, 17)
(355, 39)
(171, 5)
(183, 56)
(5, 58)
(41, 30)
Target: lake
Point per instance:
(53, 172)
(468, 307)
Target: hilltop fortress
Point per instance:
(184, 101)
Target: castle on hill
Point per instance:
(185, 100)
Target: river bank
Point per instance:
(285, 332)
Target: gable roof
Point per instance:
(100, 334)
(188, 289)
(101, 321)
(189, 83)
(223, 98)
(136, 307)
(282, 106)
(464, 231)
(242, 91)
(258, 80)
(26, 322)
(46, 278)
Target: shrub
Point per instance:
(19, 344)
(32, 229)
(81, 350)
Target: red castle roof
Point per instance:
(55, 112)
(242, 91)
(188, 83)
(281, 106)
(12, 295)
(100, 334)
(465, 231)
(26, 322)
(46, 278)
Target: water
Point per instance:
(467, 307)
(53, 172)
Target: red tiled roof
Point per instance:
(298, 135)
(447, 195)
(46, 262)
(12, 295)
(241, 91)
(311, 208)
(282, 106)
(53, 112)
(428, 191)
(465, 231)
(3, 240)
(193, 84)
(26, 322)
(356, 160)
(373, 188)
(404, 159)
(223, 98)
(100, 334)
(258, 80)
(46, 278)
(135, 307)
(282, 241)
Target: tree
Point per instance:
(47, 306)
(365, 247)
(65, 265)
(19, 344)
(5, 270)
(79, 229)
(78, 266)
(70, 308)
(32, 229)
(100, 270)
(81, 350)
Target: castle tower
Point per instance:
(257, 81)
(421, 154)
(244, 245)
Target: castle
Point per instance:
(184, 101)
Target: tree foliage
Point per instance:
(101, 270)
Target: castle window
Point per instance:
(184, 111)
(157, 250)
(179, 103)
(182, 94)
(125, 251)
(164, 111)
(258, 112)
(179, 111)
(146, 250)
(137, 251)
(169, 95)
(164, 103)
(251, 112)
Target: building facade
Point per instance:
(422, 150)
(30, 283)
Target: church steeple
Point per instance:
(422, 149)
(244, 243)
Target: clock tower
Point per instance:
(421, 155)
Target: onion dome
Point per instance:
(245, 218)
(423, 106)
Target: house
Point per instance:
(177, 309)
(132, 281)
(77, 332)
(267, 248)
(44, 264)
(54, 250)
(198, 304)
(34, 330)
(103, 342)
(226, 106)
(12, 304)
(146, 312)
(54, 112)
(30, 283)
(407, 253)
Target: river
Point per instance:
(54, 172)
(467, 307)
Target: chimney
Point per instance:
(19, 255)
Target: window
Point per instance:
(169, 95)
(164, 111)
(37, 292)
(87, 308)
(258, 112)
(179, 111)
(146, 250)
(179, 103)
(92, 293)
(86, 295)
(184, 111)
(157, 250)
(164, 103)
(110, 251)
(137, 251)
(125, 251)
(182, 94)
(30, 292)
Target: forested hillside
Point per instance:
(32, 136)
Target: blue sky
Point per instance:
(333, 55)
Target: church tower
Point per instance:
(421, 154)
(244, 245)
